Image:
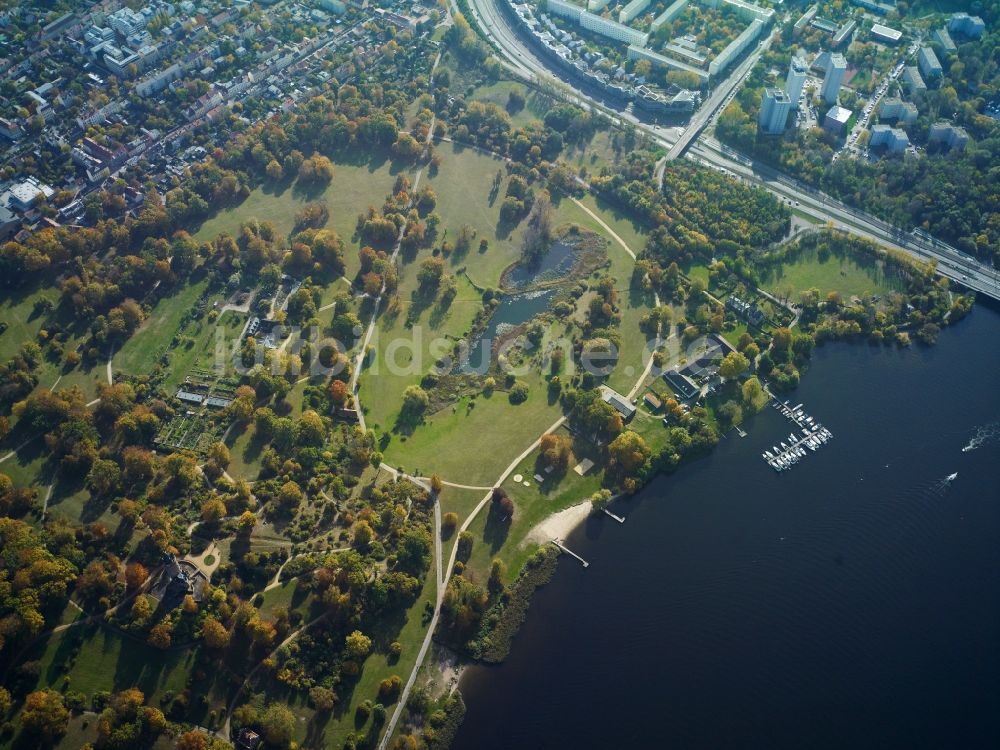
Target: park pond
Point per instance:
(555, 265)
(512, 312)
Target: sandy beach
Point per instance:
(559, 525)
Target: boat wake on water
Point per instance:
(984, 435)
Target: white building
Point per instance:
(774, 109)
(736, 47)
(632, 10)
(834, 76)
(886, 34)
(612, 29)
(23, 195)
(564, 9)
(796, 80)
(893, 140)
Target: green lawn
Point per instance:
(460, 501)
(355, 187)
(827, 272)
(153, 339)
(106, 660)
(532, 505)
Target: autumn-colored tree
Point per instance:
(362, 534)
(277, 724)
(135, 575)
(628, 452)
(213, 510)
(246, 523)
(159, 636)
(339, 392)
(44, 714)
(215, 633)
(357, 645)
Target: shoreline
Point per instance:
(560, 524)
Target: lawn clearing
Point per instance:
(827, 272)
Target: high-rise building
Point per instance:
(774, 109)
(834, 75)
(796, 80)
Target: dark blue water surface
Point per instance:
(853, 602)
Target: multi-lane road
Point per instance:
(517, 57)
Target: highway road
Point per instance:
(517, 57)
(721, 96)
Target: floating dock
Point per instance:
(811, 436)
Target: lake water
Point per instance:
(853, 602)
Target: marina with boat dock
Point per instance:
(811, 436)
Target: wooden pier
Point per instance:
(607, 512)
(568, 551)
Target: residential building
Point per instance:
(612, 29)
(774, 109)
(914, 81)
(746, 11)
(632, 10)
(966, 25)
(883, 9)
(668, 15)
(565, 9)
(836, 120)
(834, 76)
(886, 34)
(596, 6)
(844, 34)
(928, 63)
(638, 52)
(894, 108)
(796, 80)
(804, 20)
(893, 140)
(942, 37)
(952, 136)
(736, 47)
